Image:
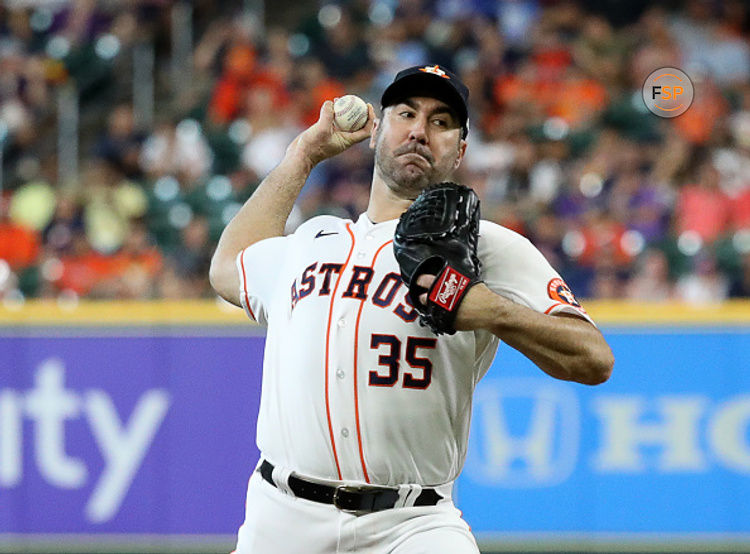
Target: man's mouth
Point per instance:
(417, 151)
(416, 157)
(412, 156)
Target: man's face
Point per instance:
(417, 142)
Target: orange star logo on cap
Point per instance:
(435, 70)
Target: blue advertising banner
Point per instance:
(662, 447)
(126, 434)
(151, 432)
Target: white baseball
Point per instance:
(349, 113)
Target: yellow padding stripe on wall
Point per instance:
(208, 312)
(159, 312)
(669, 313)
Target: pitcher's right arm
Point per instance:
(265, 213)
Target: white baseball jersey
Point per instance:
(354, 388)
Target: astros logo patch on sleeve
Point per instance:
(558, 290)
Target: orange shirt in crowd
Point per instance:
(578, 100)
(239, 65)
(704, 210)
(697, 124)
(19, 246)
(82, 273)
(328, 89)
(228, 99)
(573, 99)
(741, 210)
(148, 261)
(604, 238)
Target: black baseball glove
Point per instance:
(438, 235)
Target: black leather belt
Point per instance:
(349, 498)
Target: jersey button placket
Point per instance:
(341, 354)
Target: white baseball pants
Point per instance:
(278, 523)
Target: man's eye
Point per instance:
(406, 114)
(440, 122)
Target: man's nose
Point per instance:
(418, 131)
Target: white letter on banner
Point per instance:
(49, 405)
(122, 448)
(727, 434)
(624, 435)
(11, 439)
(545, 453)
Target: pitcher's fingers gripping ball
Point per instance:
(350, 113)
(438, 235)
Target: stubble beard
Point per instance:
(408, 180)
(405, 181)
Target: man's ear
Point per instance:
(373, 136)
(461, 154)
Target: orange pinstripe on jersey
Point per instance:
(356, 348)
(244, 287)
(553, 306)
(328, 348)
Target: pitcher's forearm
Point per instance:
(567, 348)
(265, 214)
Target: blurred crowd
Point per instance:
(562, 149)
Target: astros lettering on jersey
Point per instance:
(365, 394)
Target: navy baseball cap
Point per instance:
(434, 81)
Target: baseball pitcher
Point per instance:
(379, 329)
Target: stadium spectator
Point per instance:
(176, 148)
(650, 282)
(704, 284)
(120, 144)
(192, 257)
(740, 286)
(83, 271)
(19, 244)
(271, 128)
(628, 205)
(65, 224)
(135, 267)
(702, 206)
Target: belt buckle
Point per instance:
(353, 489)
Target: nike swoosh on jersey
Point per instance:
(321, 233)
